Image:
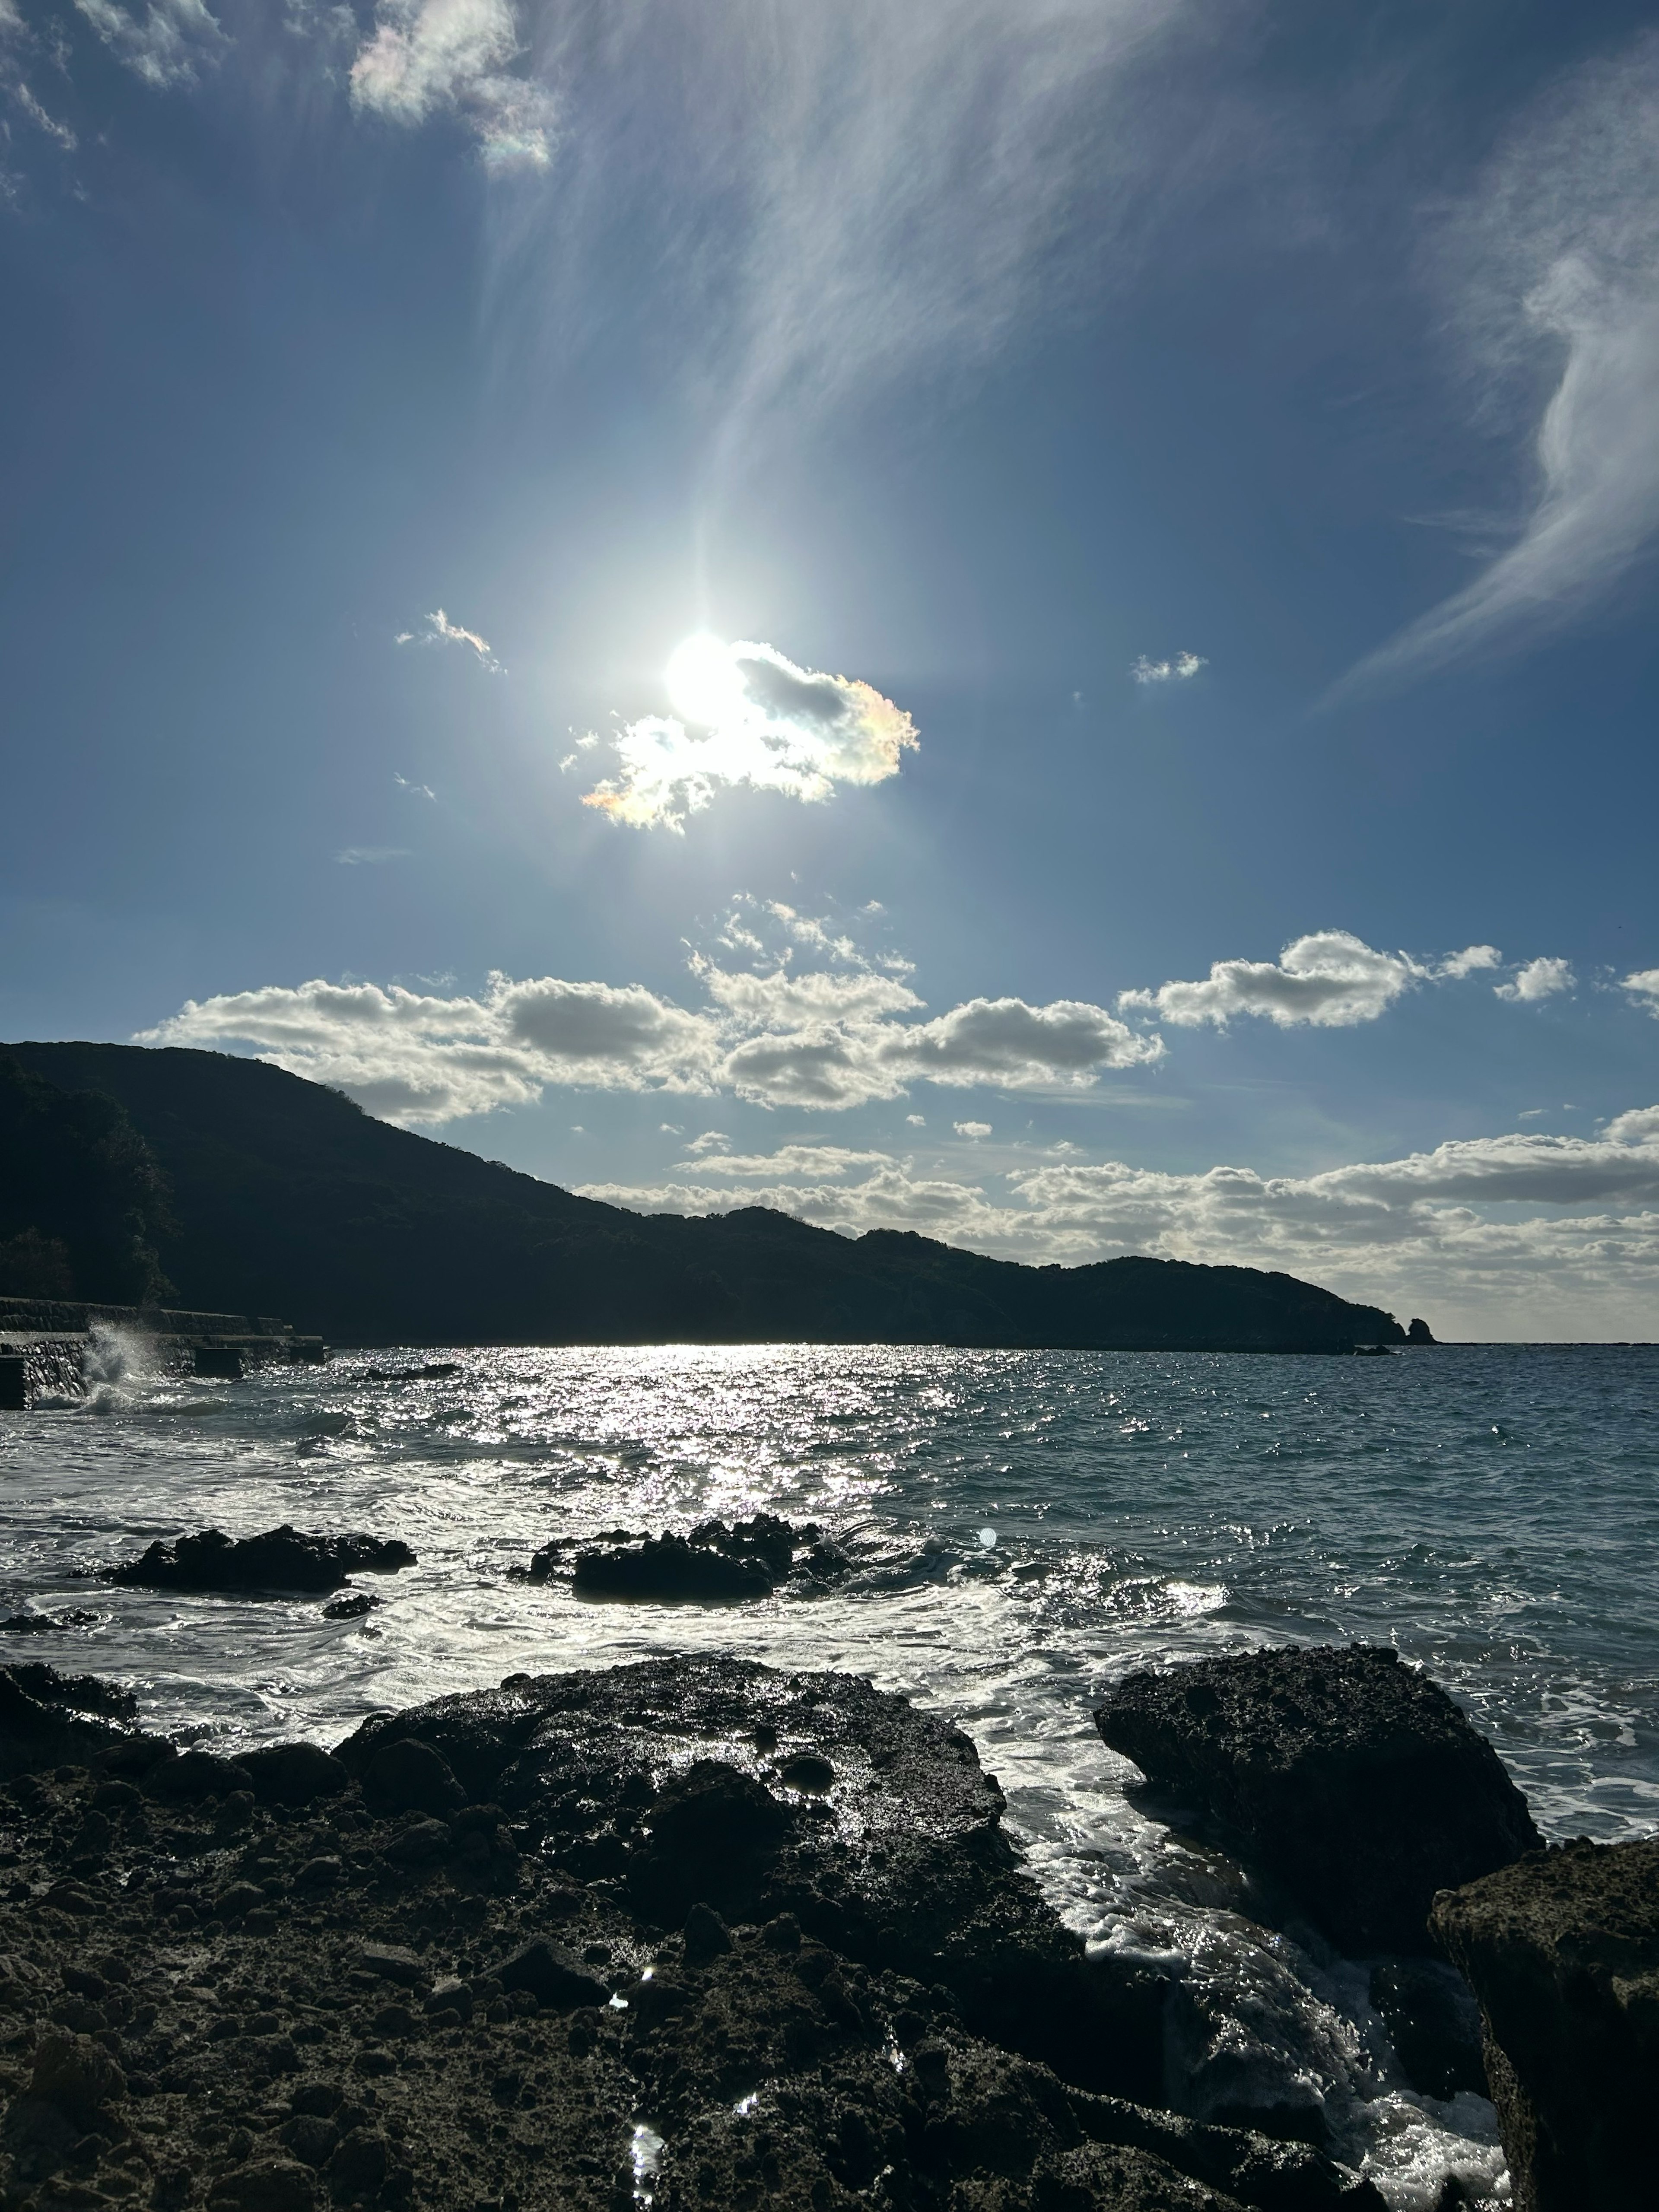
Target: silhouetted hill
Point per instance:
(288, 1199)
(80, 1196)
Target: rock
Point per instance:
(1420, 1333)
(75, 2074)
(393, 1963)
(1433, 2023)
(48, 1720)
(410, 1776)
(711, 1829)
(320, 1873)
(807, 1772)
(310, 2137)
(451, 1994)
(194, 1775)
(280, 2184)
(1351, 1781)
(241, 1897)
(553, 1975)
(352, 1607)
(1563, 1954)
(1096, 2177)
(707, 1935)
(295, 1774)
(422, 1843)
(281, 1558)
(663, 1569)
(359, 2163)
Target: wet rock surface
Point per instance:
(1563, 1953)
(1351, 1783)
(299, 1990)
(717, 1563)
(282, 1558)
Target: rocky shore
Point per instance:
(690, 1933)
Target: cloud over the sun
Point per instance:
(746, 714)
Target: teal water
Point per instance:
(1028, 1527)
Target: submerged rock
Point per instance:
(282, 1558)
(1563, 1952)
(1351, 1781)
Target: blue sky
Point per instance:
(1033, 621)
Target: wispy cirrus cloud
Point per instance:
(748, 715)
(169, 45)
(1556, 261)
(438, 630)
(371, 856)
(425, 57)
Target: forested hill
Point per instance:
(276, 1196)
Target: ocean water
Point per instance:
(1027, 1528)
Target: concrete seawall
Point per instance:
(47, 1344)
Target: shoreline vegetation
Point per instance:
(162, 1178)
(698, 1934)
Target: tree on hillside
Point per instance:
(81, 1199)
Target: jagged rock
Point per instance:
(47, 1718)
(553, 1975)
(1563, 1953)
(716, 1564)
(282, 1558)
(1434, 2023)
(292, 1773)
(1352, 1782)
(410, 1776)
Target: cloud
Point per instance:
(1478, 1222)
(748, 715)
(972, 1130)
(1175, 670)
(433, 56)
(415, 790)
(821, 1040)
(789, 1161)
(1538, 979)
(361, 856)
(1469, 962)
(175, 38)
(1645, 984)
(60, 133)
(439, 630)
(1330, 979)
(1556, 264)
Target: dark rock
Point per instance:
(765, 1538)
(294, 1773)
(666, 1568)
(1563, 1954)
(41, 1623)
(1433, 2023)
(280, 1559)
(318, 2099)
(808, 1773)
(359, 2163)
(1096, 2177)
(1352, 1781)
(451, 1994)
(75, 2074)
(553, 1975)
(410, 1776)
(705, 1933)
(241, 1897)
(352, 1607)
(48, 1719)
(310, 2137)
(320, 1873)
(422, 1843)
(393, 1962)
(273, 2185)
(1420, 1333)
(712, 1831)
(194, 1775)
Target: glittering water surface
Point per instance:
(1029, 1527)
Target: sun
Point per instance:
(704, 682)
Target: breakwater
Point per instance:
(52, 1348)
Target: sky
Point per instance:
(1027, 619)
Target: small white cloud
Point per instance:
(671, 1128)
(360, 856)
(1539, 979)
(567, 764)
(1330, 980)
(427, 55)
(175, 37)
(1469, 962)
(917, 1121)
(1176, 670)
(972, 1129)
(58, 133)
(1644, 985)
(712, 1140)
(746, 715)
(415, 790)
(439, 630)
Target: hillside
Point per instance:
(286, 1198)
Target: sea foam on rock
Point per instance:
(1563, 1952)
(1353, 1782)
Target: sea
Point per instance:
(1027, 1528)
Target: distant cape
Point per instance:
(277, 1195)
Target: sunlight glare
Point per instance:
(704, 682)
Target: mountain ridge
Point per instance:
(285, 1197)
